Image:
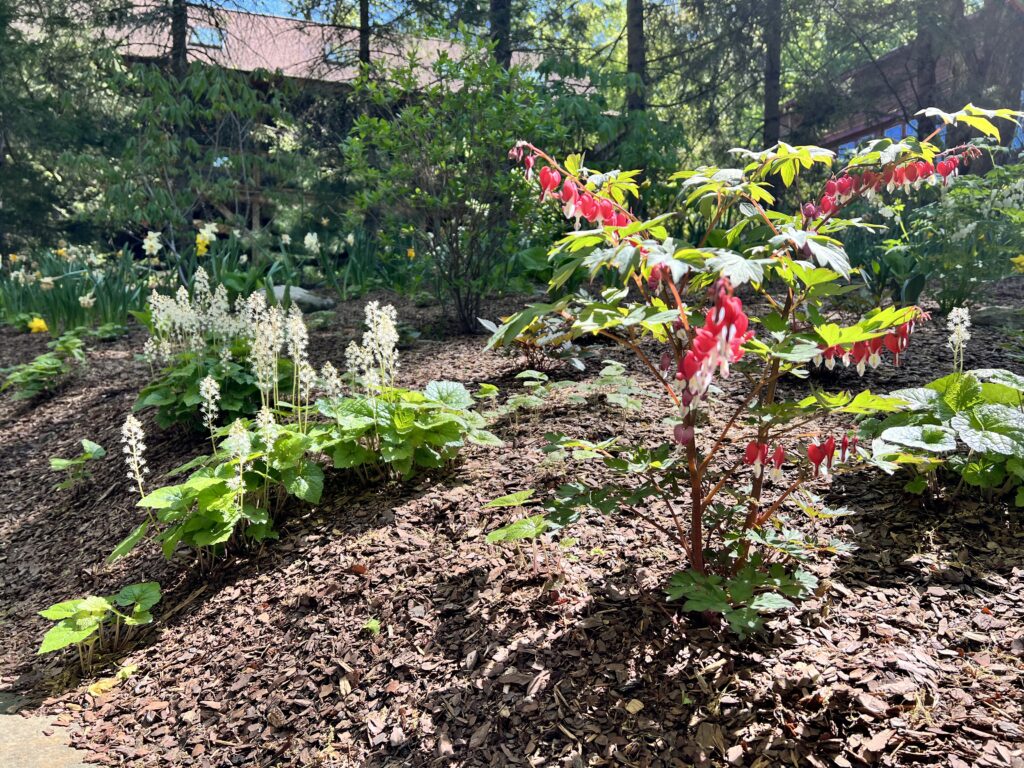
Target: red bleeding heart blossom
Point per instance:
(896, 341)
(659, 274)
(829, 446)
(756, 456)
(717, 344)
(860, 355)
(570, 200)
(778, 458)
(828, 355)
(549, 181)
(683, 434)
(869, 352)
(816, 455)
(588, 207)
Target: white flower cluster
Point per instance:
(311, 242)
(134, 439)
(239, 444)
(266, 427)
(375, 361)
(964, 232)
(298, 351)
(330, 381)
(209, 390)
(201, 321)
(268, 326)
(272, 330)
(957, 323)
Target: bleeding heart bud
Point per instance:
(682, 434)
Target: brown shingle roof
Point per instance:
(295, 47)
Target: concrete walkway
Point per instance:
(23, 743)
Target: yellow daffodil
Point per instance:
(37, 325)
(202, 245)
(13, 257)
(411, 253)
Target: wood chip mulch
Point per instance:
(563, 654)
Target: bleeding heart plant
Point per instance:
(674, 304)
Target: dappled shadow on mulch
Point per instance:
(563, 654)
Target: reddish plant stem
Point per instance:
(765, 516)
(696, 512)
(720, 484)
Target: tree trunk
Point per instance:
(636, 57)
(179, 38)
(772, 72)
(1001, 79)
(364, 31)
(926, 51)
(501, 31)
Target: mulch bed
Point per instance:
(563, 654)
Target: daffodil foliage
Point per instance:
(683, 308)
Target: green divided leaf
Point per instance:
(516, 499)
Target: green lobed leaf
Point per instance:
(144, 595)
(525, 528)
(934, 438)
(66, 633)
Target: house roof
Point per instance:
(888, 90)
(307, 50)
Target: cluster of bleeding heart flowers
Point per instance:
(713, 347)
(869, 353)
(824, 452)
(846, 186)
(757, 457)
(577, 202)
